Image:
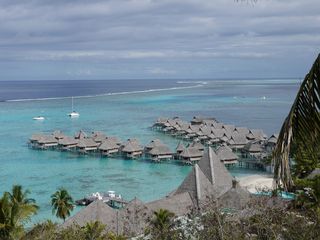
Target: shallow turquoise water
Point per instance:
(126, 116)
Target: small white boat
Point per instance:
(73, 114)
(39, 118)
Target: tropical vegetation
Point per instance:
(62, 204)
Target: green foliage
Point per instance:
(94, 231)
(15, 209)
(300, 130)
(162, 226)
(62, 204)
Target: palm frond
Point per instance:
(302, 126)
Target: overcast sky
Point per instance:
(124, 39)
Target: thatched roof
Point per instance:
(179, 204)
(132, 145)
(96, 211)
(58, 134)
(134, 217)
(108, 145)
(237, 139)
(225, 153)
(87, 142)
(218, 133)
(228, 128)
(68, 141)
(256, 134)
(154, 143)
(253, 147)
(80, 135)
(191, 152)
(197, 145)
(160, 150)
(242, 130)
(314, 173)
(36, 137)
(235, 198)
(99, 137)
(45, 139)
(114, 139)
(180, 147)
(208, 178)
(273, 139)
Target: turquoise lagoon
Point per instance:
(252, 103)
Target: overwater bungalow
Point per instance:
(58, 134)
(272, 142)
(108, 147)
(197, 145)
(228, 128)
(132, 149)
(226, 155)
(160, 152)
(98, 137)
(191, 155)
(86, 145)
(196, 120)
(160, 122)
(253, 150)
(256, 134)
(80, 135)
(47, 141)
(241, 130)
(35, 138)
(237, 141)
(152, 144)
(115, 140)
(192, 131)
(180, 148)
(68, 143)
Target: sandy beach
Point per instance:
(257, 182)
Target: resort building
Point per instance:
(80, 135)
(180, 148)
(226, 155)
(34, 139)
(68, 143)
(253, 150)
(115, 140)
(86, 145)
(197, 145)
(152, 144)
(132, 149)
(47, 141)
(237, 141)
(256, 135)
(272, 142)
(160, 152)
(108, 148)
(98, 137)
(241, 130)
(190, 155)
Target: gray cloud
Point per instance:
(148, 36)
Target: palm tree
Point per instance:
(301, 129)
(162, 224)
(15, 209)
(94, 231)
(62, 204)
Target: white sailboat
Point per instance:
(73, 114)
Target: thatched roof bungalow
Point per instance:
(226, 155)
(272, 142)
(191, 155)
(58, 134)
(86, 145)
(180, 148)
(47, 141)
(108, 147)
(132, 148)
(35, 138)
(115, 140)
(98, 137)
(80, 135)
(237, 141)
(256, 134)
(197, 145)
(160, 152)
(253, 150)
(68, 143)
(152, 144)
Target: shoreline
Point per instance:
(256, 182)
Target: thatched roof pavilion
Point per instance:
(256, 134)
(237, 141)
(80, 135)
(160, 152)
(87, 144)
(46, 141)
(108, 147)
(132, 148)
(235, 198)
(96, 211)
(208, 178)
(226, 155)
(67, 143)
(191, 154)
(58, 134)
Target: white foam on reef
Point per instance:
(200, 84)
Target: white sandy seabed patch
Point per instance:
(257, 182)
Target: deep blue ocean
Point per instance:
(123, 108)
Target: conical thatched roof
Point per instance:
(225, 153)
(87, 142)
(134, 217)
(191, 152)
(235, 198)
(108, 145)
(132, 145)
(208, 178)
(160, 150)
(154, 143)
(68, 141)
(96, 211)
